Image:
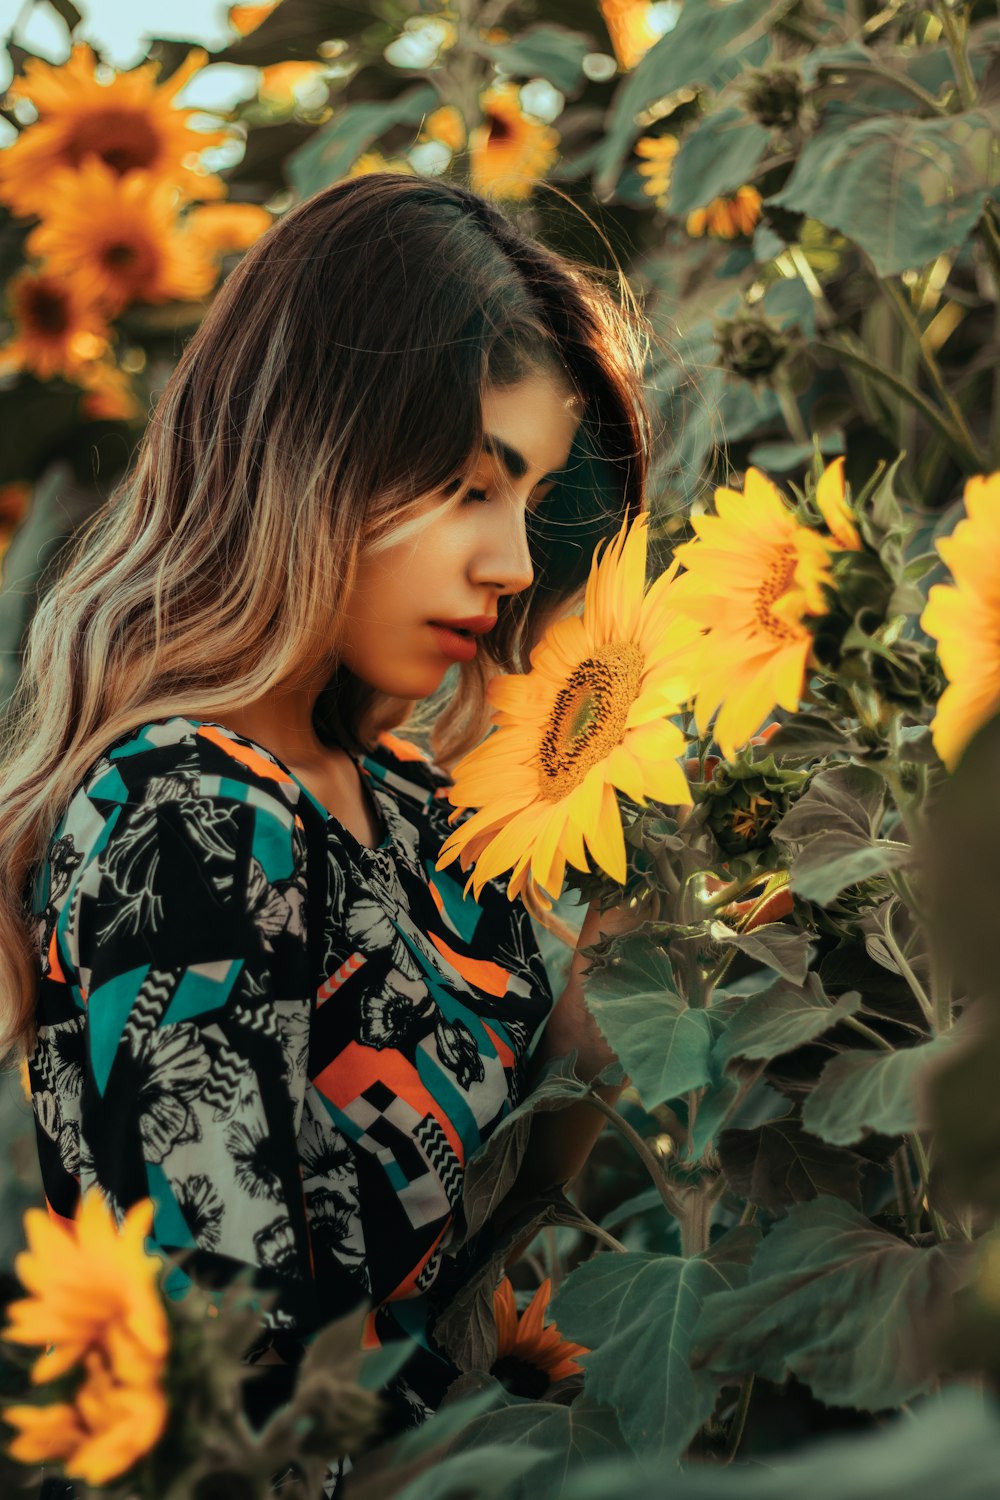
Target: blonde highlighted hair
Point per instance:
(305, 420)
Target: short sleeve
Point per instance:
(192, 960)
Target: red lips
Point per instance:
(475, 624)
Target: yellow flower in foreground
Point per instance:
(94, 1301)
(593, 714)
(632, 29)
(658, 152)
(964, 619)
(727, 217)
(530, 1356)
(754, 574)
(833, 507)
(57, 328)
(118, 239)
(129, 124)
(509, 152)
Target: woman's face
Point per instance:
(466, 557)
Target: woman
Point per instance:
(388, 451)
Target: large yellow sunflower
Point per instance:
(632, 29)
(119, 239)
(129, 124)
(58, 329)
(754, 573)
(964, 619)
(509, 152)
(530, 1355)
(593, 714)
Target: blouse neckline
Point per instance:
(381, 801)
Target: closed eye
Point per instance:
(537, 495)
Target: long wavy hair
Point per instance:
(333, 386)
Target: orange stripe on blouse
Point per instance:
(245, 755)
(357, 1067)
(55, 967)
(369, 1338)
(504, 1053)
(68, 1224)
(401, 749)
(478, 971)
(408, 1284)
(339, 976)
(436, 894)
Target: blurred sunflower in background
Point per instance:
(129, 123)
(633, 26)
(58, 328)
(509, 151)
(726, 218)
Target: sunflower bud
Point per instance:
(752, 345)
(340, 1416)
(774, 96)
(746, 798)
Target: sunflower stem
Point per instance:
(924, 1168)
(739, 1420)
(969, 457)
(670, 1202)
(904, 312)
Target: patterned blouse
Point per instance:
(292, 1043)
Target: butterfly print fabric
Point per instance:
(292, 1043)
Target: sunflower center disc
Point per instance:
(776, 582)
(588, 717)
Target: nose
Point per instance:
(503, 560)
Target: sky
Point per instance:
(121, 29)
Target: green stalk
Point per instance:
(969, 457)
(671, 1203)
(739, 1420)
(904, 312)
(964, 75)
(898, 80)
(924, 1168)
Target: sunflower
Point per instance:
(129, 124)
(658, 152)
(90, 1285)
(94, 1302)
(530, 1356)
(631, 28)
(108, 395)
(118, 238)
(593, 714)
(727, 217)
(218, 228)
(964, 619)
(97, 1438)
(754, 574)
(833, 507)
(58, 329)
(509, 152)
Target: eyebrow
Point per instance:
(515, 463)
